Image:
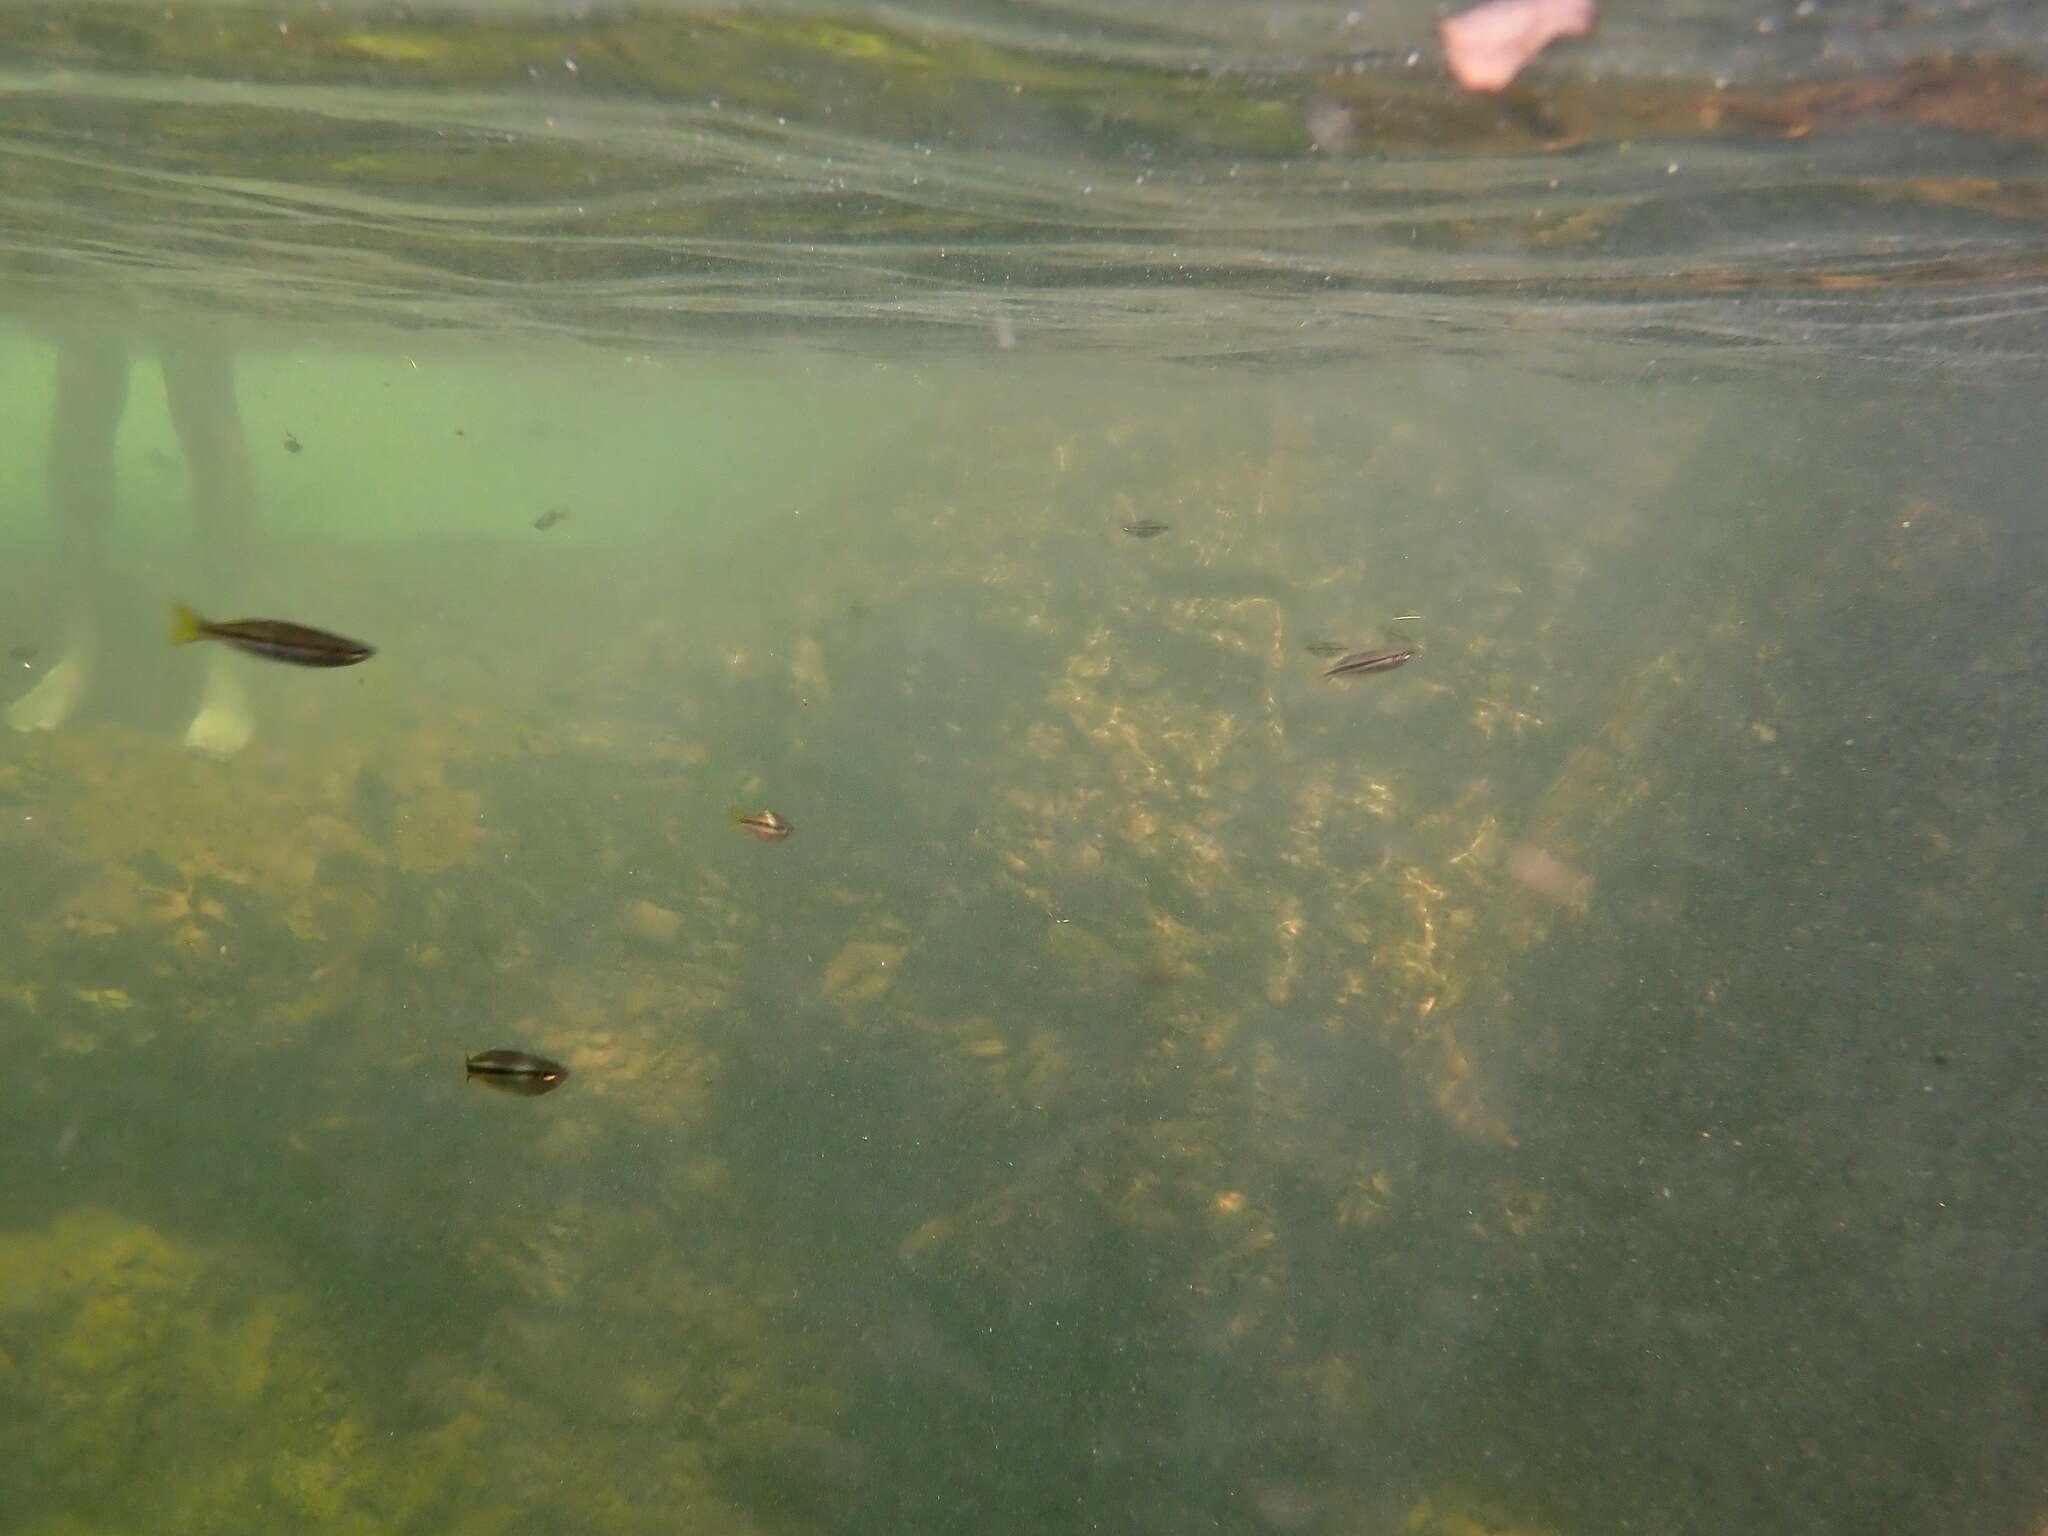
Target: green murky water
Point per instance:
(1585, 1079)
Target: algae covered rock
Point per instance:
(173, 1387)
(163, 1389)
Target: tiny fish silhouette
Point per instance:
(1326, 647)
(518, 1072)
(292, 444)
(1147, 528)
(549, 518)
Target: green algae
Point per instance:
(167, 1381)
(131, 1350)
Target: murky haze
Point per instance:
(1581, 1079)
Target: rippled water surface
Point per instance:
(1281, 182)
(1584, 1078)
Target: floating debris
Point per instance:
(1545, 873)
(273, 639)
(518, 1072)
(1327, 647)
(1147, 528)
(651, 924)
(1384, 659)
(549, 518)
(769, 826)
(292, 444)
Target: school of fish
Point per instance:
(523, 1073)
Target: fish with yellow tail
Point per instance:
(769, 826)
(272, 639)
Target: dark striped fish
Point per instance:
(271, 638)
(517, 1072)
(1147, 528)
(1385, 659)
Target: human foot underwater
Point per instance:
(92, 392)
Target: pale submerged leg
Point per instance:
(199, 385)
(92, 389)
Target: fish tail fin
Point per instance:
(186, 626)
(737, 815)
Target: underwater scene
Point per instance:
(1020, 769)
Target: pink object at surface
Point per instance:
(1488, 45)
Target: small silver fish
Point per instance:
(518, 1072)
(769, 826)
(1384, 659)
